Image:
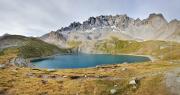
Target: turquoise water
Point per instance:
(85, 60)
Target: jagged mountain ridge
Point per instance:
(155, 27)
(120, 21)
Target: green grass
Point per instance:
(118, 46)
(73, 43)
(37, 48)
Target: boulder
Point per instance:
(134, 83)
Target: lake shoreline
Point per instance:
(119, 59)
(46, 57)
(152, 58)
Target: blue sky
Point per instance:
(37, 17)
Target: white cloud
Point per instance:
(37, 17)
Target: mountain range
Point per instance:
(155, 27)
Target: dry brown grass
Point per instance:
(14, 81)
(152, 86)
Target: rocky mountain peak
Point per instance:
(120, 21)
(156, 17)
(153, 15)
(53, 35)
(156, 20)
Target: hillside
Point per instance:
(163, 50)
(16, 46)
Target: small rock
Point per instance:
(113, 91)
(2, 66)
(115, 85)
(133, 82)
(124, 69)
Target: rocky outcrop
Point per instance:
(21, 62)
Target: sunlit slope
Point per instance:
(160, 49)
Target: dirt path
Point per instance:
(173, 81)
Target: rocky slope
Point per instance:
(155, 27)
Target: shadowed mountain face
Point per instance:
(155, 27)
